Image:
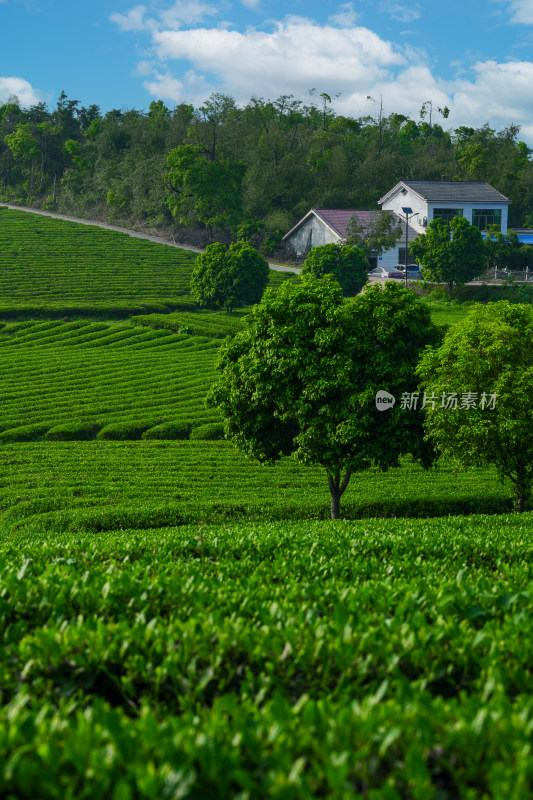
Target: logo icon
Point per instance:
(384, 400)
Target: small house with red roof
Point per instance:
(478, 202)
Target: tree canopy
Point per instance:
(347, 264)
(229, 278)
(380, 233)
(204, 190)
(273, 158)
(481, 382)
(450, 253)
(302, 378)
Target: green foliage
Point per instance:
(169, 430)
(390, 660)
(450, 253)
(22, 143)
(122, 431)
(229, 278)
(24, 433)
(347, 264)
(489, 353)
(303, 375)
(72, 432)
(47, 263)
(204, 190)
(215, 325)
(506, 250)
(56, 373)
(208, 433)
(268, 159)
(380, 233)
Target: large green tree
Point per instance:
(375, 235)
(480, 381)
(303, 375)
(229, 278)
(506, 250)
(347, 264)
(202, 190)
(450, 253)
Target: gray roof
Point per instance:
(452, 191)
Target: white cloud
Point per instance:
(187, 12)
(296, 55)
(403, 13)
(133, 20)
(346, 16)
(166, 87)
(19, 88)
(254, 4)
(180, 13)
(503, 91)
(522, 11)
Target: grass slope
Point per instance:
(52, 267)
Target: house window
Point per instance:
(401, 255)
(483, 217)
(447, 214)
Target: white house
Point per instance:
(478, 202)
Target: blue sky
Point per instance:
(475, 56)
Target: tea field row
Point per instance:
(52, 267)
(55, 373)
(42, 258)
(372, 659)
(102, 485)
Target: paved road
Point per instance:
(134, 234)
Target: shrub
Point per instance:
(25, 433)
(210, 432)
(121, 431)
(229, 278)
(347, 264)
(72, 432)
(169, 430)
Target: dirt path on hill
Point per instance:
(134, 234)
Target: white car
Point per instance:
(385, 272)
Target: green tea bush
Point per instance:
(72, 432)
(25, 433)
(122, 431)
(210, 432)
(169, 430)
(374, 659)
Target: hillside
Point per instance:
(178, 622)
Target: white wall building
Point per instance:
(478, 202)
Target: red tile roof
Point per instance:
(338, 218)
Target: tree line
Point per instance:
(245, 172)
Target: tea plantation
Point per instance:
(180, 622)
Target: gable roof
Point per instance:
(450, 192)
(337, 218)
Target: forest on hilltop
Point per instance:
(248, 171)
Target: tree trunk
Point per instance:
(336, 490)
(522, 487)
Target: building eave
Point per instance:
(314, 212)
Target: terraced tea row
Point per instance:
(44, 260)
(55, 373)
(52, 267)
(101, 485)
(378, 659)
